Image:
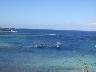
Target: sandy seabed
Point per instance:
(42, 69)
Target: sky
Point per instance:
(49, 14)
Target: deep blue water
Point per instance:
(18, 48)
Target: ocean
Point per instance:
(35, 50)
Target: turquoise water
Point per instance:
(19, 49)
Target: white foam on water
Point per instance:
(52, 34)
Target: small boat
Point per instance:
(39, 46)
(58, 45)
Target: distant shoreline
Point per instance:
(7, 30)
(57, 29)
